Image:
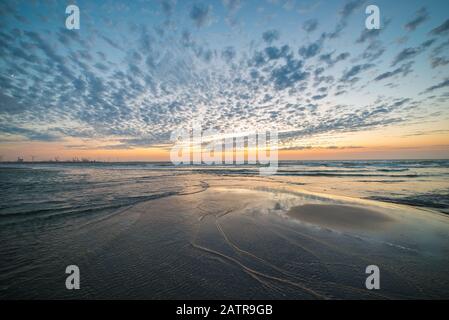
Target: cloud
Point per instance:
(373, 51)
(310, 25)
(311, 50)
(288, 74)
(304, 8)
(343, 147)
(404, 70)
(409, 53)
(428, 132)
(441, 29)
(420, 17)
(200, 14)
(438, 57)
(348, 9)
(270, 36)
(439, 61)
(232, 5)
(354, 71)
(319, 97)
(168, 6)
(443, 84)
(332, 61)
(274, 53)
(368, 34)
(30, 134)
(9, 104)
(228, 54)
(298, 148)
(373, 34)
(129, 86)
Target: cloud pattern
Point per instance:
(133, 84)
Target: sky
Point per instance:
(135, 71)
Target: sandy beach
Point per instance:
(224, 150)
(241, 238)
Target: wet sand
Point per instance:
(340, 217)
(231, 238)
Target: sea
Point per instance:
(34, 191)
(111, 220)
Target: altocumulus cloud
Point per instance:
(136, 82)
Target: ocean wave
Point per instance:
(393, 170)
(51, 213)
(428, 200)
(336, 174)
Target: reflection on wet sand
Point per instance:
(238, 240)
(340, 217)
(233, 238)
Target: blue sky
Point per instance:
(136, 70)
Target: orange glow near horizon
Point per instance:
(420, 148)
(414, 142)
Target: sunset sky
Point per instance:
(137, 70)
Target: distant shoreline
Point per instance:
(169, 162)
